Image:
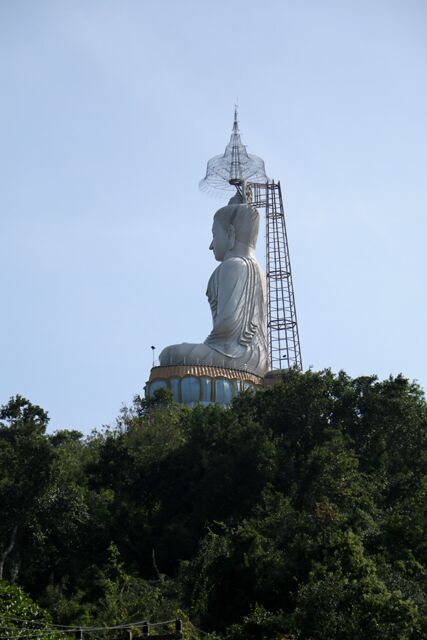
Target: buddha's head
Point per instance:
(235, 227)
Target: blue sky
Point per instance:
(109, 112)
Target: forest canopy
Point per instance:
(298, 513)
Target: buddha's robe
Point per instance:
(236, 294)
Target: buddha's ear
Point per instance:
(231, 234)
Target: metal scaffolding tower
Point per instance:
(282, 328)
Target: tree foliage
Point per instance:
(21, 617)
(298, 514)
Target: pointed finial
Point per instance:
(235, 124)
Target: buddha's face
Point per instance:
(221, 240)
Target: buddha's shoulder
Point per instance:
(232, 269)
(238, 263)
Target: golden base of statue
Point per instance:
(201, 384)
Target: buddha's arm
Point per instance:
(231, 285)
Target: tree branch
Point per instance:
(6, 552)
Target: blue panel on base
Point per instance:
(190, 390)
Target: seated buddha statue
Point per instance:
(236, 294)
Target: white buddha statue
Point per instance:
(236, 294)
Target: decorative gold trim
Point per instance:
(197, 370)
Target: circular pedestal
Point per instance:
(198, 384)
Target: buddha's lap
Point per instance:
(175, 352)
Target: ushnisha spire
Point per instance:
(235, 166)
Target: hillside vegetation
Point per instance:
(299, 513)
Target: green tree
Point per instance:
(300, 512)
(351, 601)
(25, 472)
(20, 617)
(59, 531)
(330, 484)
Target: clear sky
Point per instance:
(109, 112)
